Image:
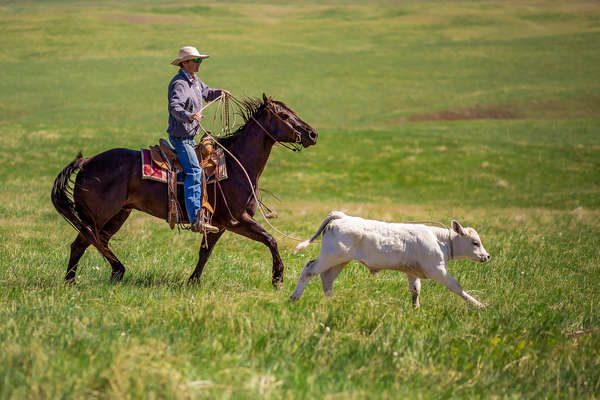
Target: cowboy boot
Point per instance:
(200, 226)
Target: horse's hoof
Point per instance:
(194, 280)
(116, 277)
(277, 280)
(70, 281)
(278, 283)
(292, 298)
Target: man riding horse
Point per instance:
(186, 92)
(97, 194)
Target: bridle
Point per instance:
(294, 146)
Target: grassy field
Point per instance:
(486, 112)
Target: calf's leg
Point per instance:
(303, 280)
(329, 276)
(312, 268)
(441, 275)
(414, 284)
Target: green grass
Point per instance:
(520, 165)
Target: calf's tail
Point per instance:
(332, 215)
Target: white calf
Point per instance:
(421, 251)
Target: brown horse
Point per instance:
(109, 185)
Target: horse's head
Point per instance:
(286, 126)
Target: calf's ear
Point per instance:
(457, 227)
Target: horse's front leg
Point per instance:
(205, 252)
(249, 228)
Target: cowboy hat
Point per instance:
(187, 53)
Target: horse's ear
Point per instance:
(265, 99)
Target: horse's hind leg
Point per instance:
(80, 244)
(109, 229)
(78, 247)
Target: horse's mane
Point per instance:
(249, 107)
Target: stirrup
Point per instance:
(204, 227)
(203, 223)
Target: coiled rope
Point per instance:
(224, 105)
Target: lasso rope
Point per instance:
(227, 127)
(221, 97)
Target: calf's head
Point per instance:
(467, 244)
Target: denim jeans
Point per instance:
(192, 184)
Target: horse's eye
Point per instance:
(476, 244)
(284, 116)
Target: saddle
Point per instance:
(212, 162)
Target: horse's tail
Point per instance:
(332, 215)
(64, 202)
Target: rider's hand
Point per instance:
(197, 116)
(225, 93)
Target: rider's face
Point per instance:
(190, 66)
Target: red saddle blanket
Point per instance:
(150, 170)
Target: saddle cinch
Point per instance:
(212, 161)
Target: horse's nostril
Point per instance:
(313, 136)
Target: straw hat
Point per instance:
(187, 53)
